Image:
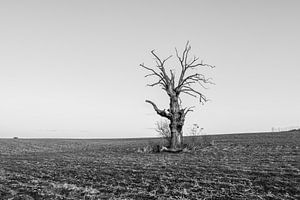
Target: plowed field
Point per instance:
(239, 166)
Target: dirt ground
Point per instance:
(239, 166)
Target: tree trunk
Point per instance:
(176, 124)
(176, 135)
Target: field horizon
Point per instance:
(146, 137)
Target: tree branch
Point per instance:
(193, 92)
(160, 64)
(162, 113)
(161, 80)
(186, 110)
(185, 80)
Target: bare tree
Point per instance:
(185, 84)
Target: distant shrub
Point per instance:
(163, 130)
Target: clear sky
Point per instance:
(71, 68)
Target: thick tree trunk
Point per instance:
(176, 124)
(176, 136)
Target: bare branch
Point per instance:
(207, 65)
(167, 59)
(182, 61)
(200, 64)
(193, 60)
(194, 93)
(177, 55)
(158, 83)
(187, 50)
(192, 64)
(202, 85)
(160, 64)
(186, 92)
(162, 113)
(154, 73)
(186, 110)
(150, 69)
(194, 78)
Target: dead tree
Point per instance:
(185, 84)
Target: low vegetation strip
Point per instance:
(244, 166)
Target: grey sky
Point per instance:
(70, 68)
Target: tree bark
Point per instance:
(176, 123)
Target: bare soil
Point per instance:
(239, 166)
